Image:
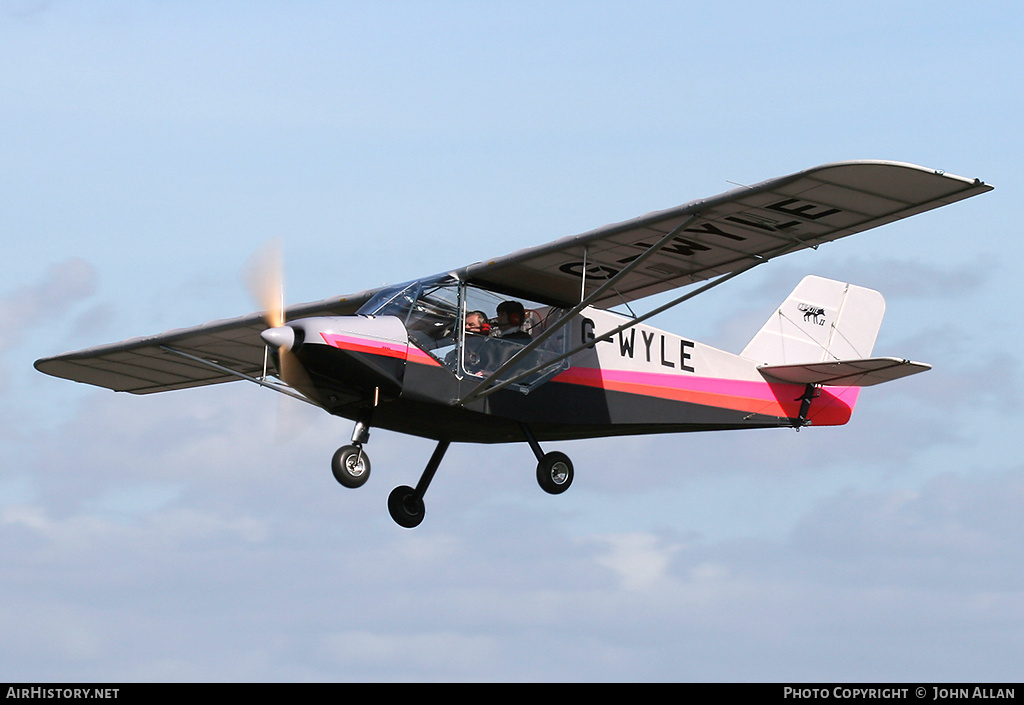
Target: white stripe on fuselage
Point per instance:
(646, 349)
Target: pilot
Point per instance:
(509, 323)
(477, 329)
(476, 322)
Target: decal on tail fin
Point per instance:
(821, 321)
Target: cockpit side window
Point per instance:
(509, 325)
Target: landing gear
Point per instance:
(351, 466)
(554, 472)
(406, 507)
(554, 469)
(405, 504)
(811, 392)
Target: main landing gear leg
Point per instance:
(405, 504)
(554, 469)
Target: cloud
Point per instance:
(445, 655)
(895, 278)
(965, 373)
(916, 279)
(742, 308)
(24, 9)
(63, 285)
(639, 559)
(963, 525)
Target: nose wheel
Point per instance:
(351, 466)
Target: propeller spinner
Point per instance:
(264, 276)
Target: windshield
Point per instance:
(392, 301)
(429, 310)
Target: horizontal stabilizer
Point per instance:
(844, 373)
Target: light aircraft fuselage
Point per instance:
(642, 380)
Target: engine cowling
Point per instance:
(349, 356)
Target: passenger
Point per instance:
(509, 322)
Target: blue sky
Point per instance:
(148, 149)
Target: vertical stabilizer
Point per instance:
(822, 320)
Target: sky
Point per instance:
(147, 149)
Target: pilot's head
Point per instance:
(476, 322)
(510, 315)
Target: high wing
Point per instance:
(215, 352)
(704, 239)
(724, 234)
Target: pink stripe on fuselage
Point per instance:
(832, 407)
(378, 347)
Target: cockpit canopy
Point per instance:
(434, 312)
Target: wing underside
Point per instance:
(723, 234)
(221, 351)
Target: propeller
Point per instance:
(265, 279)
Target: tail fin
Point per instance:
(821, 321)
(822, 336)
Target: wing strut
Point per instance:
(488, 386)
(241, 375)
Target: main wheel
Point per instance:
(405, 507)
(554, 472)
(351, 466)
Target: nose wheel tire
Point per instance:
(554, 472)
(405, 507)
(351, 466)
